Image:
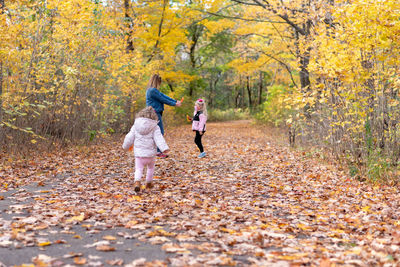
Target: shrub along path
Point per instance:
(249, 202)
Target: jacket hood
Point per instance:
(144, 126)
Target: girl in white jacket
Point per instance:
(145, 136)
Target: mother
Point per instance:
(156, 99)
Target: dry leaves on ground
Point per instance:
(249, 202)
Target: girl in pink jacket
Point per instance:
(145, 136)
(199, 124)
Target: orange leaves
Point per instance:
(105, 248)
(259, 204)
(80, 261)
(173, 248)
(109, 238)
(160, 232)
(134, 199)
(226, 230)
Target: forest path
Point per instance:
(249, 202)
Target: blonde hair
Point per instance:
(202, 104)
(154, 82)
(148, 113)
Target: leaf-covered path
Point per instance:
(249, 202)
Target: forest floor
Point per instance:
(250, 202)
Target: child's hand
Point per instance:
(178, 103)
(166, 151)
(188, 118)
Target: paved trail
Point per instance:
(249, 202)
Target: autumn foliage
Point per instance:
(327, 70)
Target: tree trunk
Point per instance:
(260, 88)
(249, 90)
(304, 74)
(368, 66)
(242, 93)
(160, 26)
(237, 99)
(196, 31)
(129, 24)
(210, 96)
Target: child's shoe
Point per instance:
(137, 186)
(162, 155)
(202, 154)
(149, 185)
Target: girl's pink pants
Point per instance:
(140, 163)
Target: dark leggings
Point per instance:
(197, 140)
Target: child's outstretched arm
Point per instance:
(160, 141)
(129, 139)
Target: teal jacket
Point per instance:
(156, 99)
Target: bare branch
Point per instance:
(245, 3)
(287, 67)
(239, 18)
(267, 5)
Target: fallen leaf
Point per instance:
(80, 261)
(105, 248)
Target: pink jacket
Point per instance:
(199, 121)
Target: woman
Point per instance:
(156, 99)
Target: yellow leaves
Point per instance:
(103, 194)
(219, 25)
(366, 208)
(226, 230)
(303, 227)
(134, 198)
(353, 251)
(78, 218)
(198, 202)
(213, 209)
(293, 256)
(160, 232)
(213, 5)
(394, 102)
(131, 223)
(44, 244)
(109, 238)
(336, 233)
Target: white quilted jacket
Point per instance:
(145, 136)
